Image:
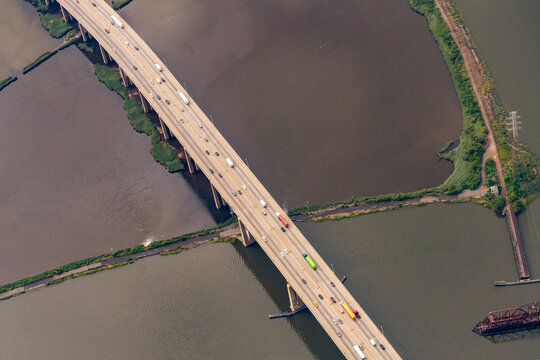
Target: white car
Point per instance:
(264, 238)
(282, 254)
(152, 82)
(114, 50)
(335, 321)
(151, 95)
(286, 252)
(341, 310)
(244, 187)
(127, 43)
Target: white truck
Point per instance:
(263, 204)
(118, 22)
(184, 97)
(229, 161)
(359, 352)
(158, 67)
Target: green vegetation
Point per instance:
(39, 5)
(43, 57)
(178, 250)
(54, 25)
(111, 78)
(118, 4)
(163, 153)
(229, 239)
(7, 81)
(520, 167)
(128, 251)
(490, 173)
(84, 46)
(468, 156)
(68, 43)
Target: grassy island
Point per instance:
(118, 4)
(162, 152)
(7, 81)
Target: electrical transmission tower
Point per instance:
(513, 123)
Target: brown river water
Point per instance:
(268, 72)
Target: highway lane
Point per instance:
(293, 266)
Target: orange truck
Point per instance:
(347, 310)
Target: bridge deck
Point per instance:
(191, 127)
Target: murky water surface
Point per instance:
(326, 101)
(76, 179)
(22, 37)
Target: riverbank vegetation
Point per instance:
(85, 47)
(128, 251)
(520, 166)
(118, 4)
(162, 152)
(521, 175)
(7, 81)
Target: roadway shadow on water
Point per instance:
(305, 325)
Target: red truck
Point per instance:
(283, 220)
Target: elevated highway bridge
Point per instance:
(207, 150)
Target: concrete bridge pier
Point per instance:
(189, 164)
(83, 32)
(65, 14)
(217, 197)
(125, 80)
(145, 106)
(104, 55)
(247, 238)
(165, 129)
(294, 299)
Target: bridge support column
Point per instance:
(83, 32)
(294, 299)
(165, 130)
(217, 197)
(64, 14)
(247, 238)
(47, 2)
(104, 55)
(123, 76)
(144, 105)
(197, 168)
(188, 160)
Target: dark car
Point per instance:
(240, 192)
(332, 284)
(382, 346)
(211, 171)
(107, 31)
(282, 229)
(219, 174)
(333, 300)
(163, 79)
(217, 154)
(136, 47)
(304, 281)
(320, 296)
(168, 102)
(207, 152)
(158, 97)
(134, 67)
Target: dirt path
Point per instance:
(477, 77)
